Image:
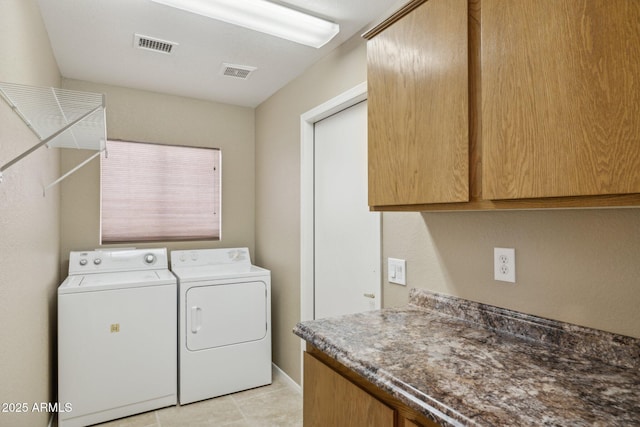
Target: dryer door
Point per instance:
(226, 314)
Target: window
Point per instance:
(154, 192)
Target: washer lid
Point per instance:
(221, 271)
(116, 280)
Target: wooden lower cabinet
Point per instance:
(335, 396)
(332, 400)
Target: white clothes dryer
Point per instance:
(117, 335)
(224, 323)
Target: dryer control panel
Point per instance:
(203, 257)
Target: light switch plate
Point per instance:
(397, 271)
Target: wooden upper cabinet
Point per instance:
(560, 98)
(418, 115)
(505, 104)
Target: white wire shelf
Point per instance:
(60, 118)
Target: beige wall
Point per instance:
(578, 266)
(278, 186)
(151, 117)
(29, 225)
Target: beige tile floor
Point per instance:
(275, 405)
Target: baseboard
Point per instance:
(287, 378)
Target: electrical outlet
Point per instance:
(397, 271)
(504, 264)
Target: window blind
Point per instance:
(155, 192)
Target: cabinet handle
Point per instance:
(370, 295)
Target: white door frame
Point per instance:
(307, 120)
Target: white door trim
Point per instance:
(307, 120)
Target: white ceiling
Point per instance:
(92, 40)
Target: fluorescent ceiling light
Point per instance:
(263, 16)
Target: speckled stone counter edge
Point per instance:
(618, 350)
(597, 345)
(421, 402)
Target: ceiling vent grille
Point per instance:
(151, 43)
(237, 71)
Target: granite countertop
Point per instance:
(462, 363)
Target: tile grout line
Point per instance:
(268, 393)
(235, 402)
(248, 401)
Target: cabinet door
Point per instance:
(409, 423)
(419, 108)
(332, 400)
(560, 98)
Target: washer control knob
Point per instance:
(83, 261)
(97, 261)
(149, 258)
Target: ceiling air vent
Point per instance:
(150, 43)
(237, 71)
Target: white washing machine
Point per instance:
(117, 335)
(224, 324)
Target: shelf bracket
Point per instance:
(44, 190)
